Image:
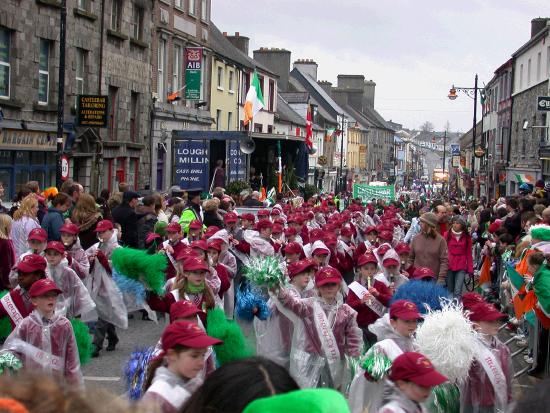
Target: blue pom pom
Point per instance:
(249, 299)
(130, 286)
(423, 294)
(135, 371)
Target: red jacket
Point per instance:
(365, 316)
(460, 252)
(7, 261)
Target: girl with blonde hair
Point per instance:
(7, 252)
(24, 221)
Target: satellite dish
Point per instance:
(247, 146)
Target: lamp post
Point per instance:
(340, 176)
(61, 93)
(472, 93)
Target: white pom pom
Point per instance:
(447, 338)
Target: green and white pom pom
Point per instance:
(265, 272)
(376, 364)
(445, 398)
(9, 363)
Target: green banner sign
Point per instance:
(193, 72)
(369, 192)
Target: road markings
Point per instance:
(99, 378)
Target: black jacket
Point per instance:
(211, 219)
(127, 218)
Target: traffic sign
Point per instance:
(64, 167)
(543, 103)
(455, 149)
(479, 152)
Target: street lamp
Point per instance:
(471, 92)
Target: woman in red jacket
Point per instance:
(459, 245)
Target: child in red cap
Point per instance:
(36, 240)
(110, 307)
(175, 374)
(326, 331)
(489, 384)
(75, 299)
(413, 377)
(45, 340)
(76, 256)
(172, 247)
(395, 336)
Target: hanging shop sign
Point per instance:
(368, 192)
(92, 110)
(236, 162)
(193, 73)
(479, 152)
(543, 103)
(191, 164)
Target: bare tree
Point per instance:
(427, 126)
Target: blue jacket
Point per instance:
(52, 221)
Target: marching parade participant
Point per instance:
(75, 254)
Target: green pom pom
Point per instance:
(234, 346)
(9, 363)
(140, 266)
(5, 325)
(265, 272)
(445, 399)
(376, 364)
(83, 340)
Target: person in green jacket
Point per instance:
(192, 210)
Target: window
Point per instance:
(218, 119)
(261, 80)
(116, 15)
(230, 125)
(160, 65)
(230, 82)
(134, 116)
(204, 10)
(528, 72)
(271, 96)
(245, 85)
(44, 72)
(192, 7)
(520, 77)
(539, 58)
(84, 5)
(220, 77)
(178, 3)
(5, 66)
(80, 64)
(136, 24)
(176, 68)
(113, 107)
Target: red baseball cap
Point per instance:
(31, 263)
(402, 248)
(69, 228)
(200, 244)
(315, 235)
(279, 220)
(185, 253)
(173, 227)
(211, 231)
(390, 261)
(263, 213)
(275, 211)
(290, 231)
(299, 267)
(327, 275)
(230, 217)
(370, 229)
(43, 286)
(330, 240)
(151, 237)
(320, 251)
(422, 273)
(56, 246)
(292, 248)
(248, 217)
(471, 299)
(416, 368)
(38, 234)
(215, 244)
(366, 259)
(277, 229)
(183, 309)
(196, 224)
(263, 224)
(347, 232)
(186, 333)
(103, 225)
(386, 236)
(484, 312)
(382, 249)
(404, 310)
(194, 264)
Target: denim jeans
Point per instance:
(455, 283)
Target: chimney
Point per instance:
(368, 93)
(240, 42)
(326, 86)
(307, 66)
(351, 81)
(538, 24)
(278, 61)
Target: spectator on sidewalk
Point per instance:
(125, 215)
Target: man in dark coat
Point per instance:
(125, 215)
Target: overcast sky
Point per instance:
(413, 49)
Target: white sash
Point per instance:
(328, 343)
(43, 358)
(174, 395)
(11, 309)
(360, 291)
(494, 371)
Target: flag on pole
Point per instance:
(329, 132)
(254, 99)
(525, 179)
(309, 128)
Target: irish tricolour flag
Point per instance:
(254, 99)
(525, 179)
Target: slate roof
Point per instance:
(295, 97)
(286, 114)
(318, 93)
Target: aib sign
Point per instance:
(191, 164)
(543, 103)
